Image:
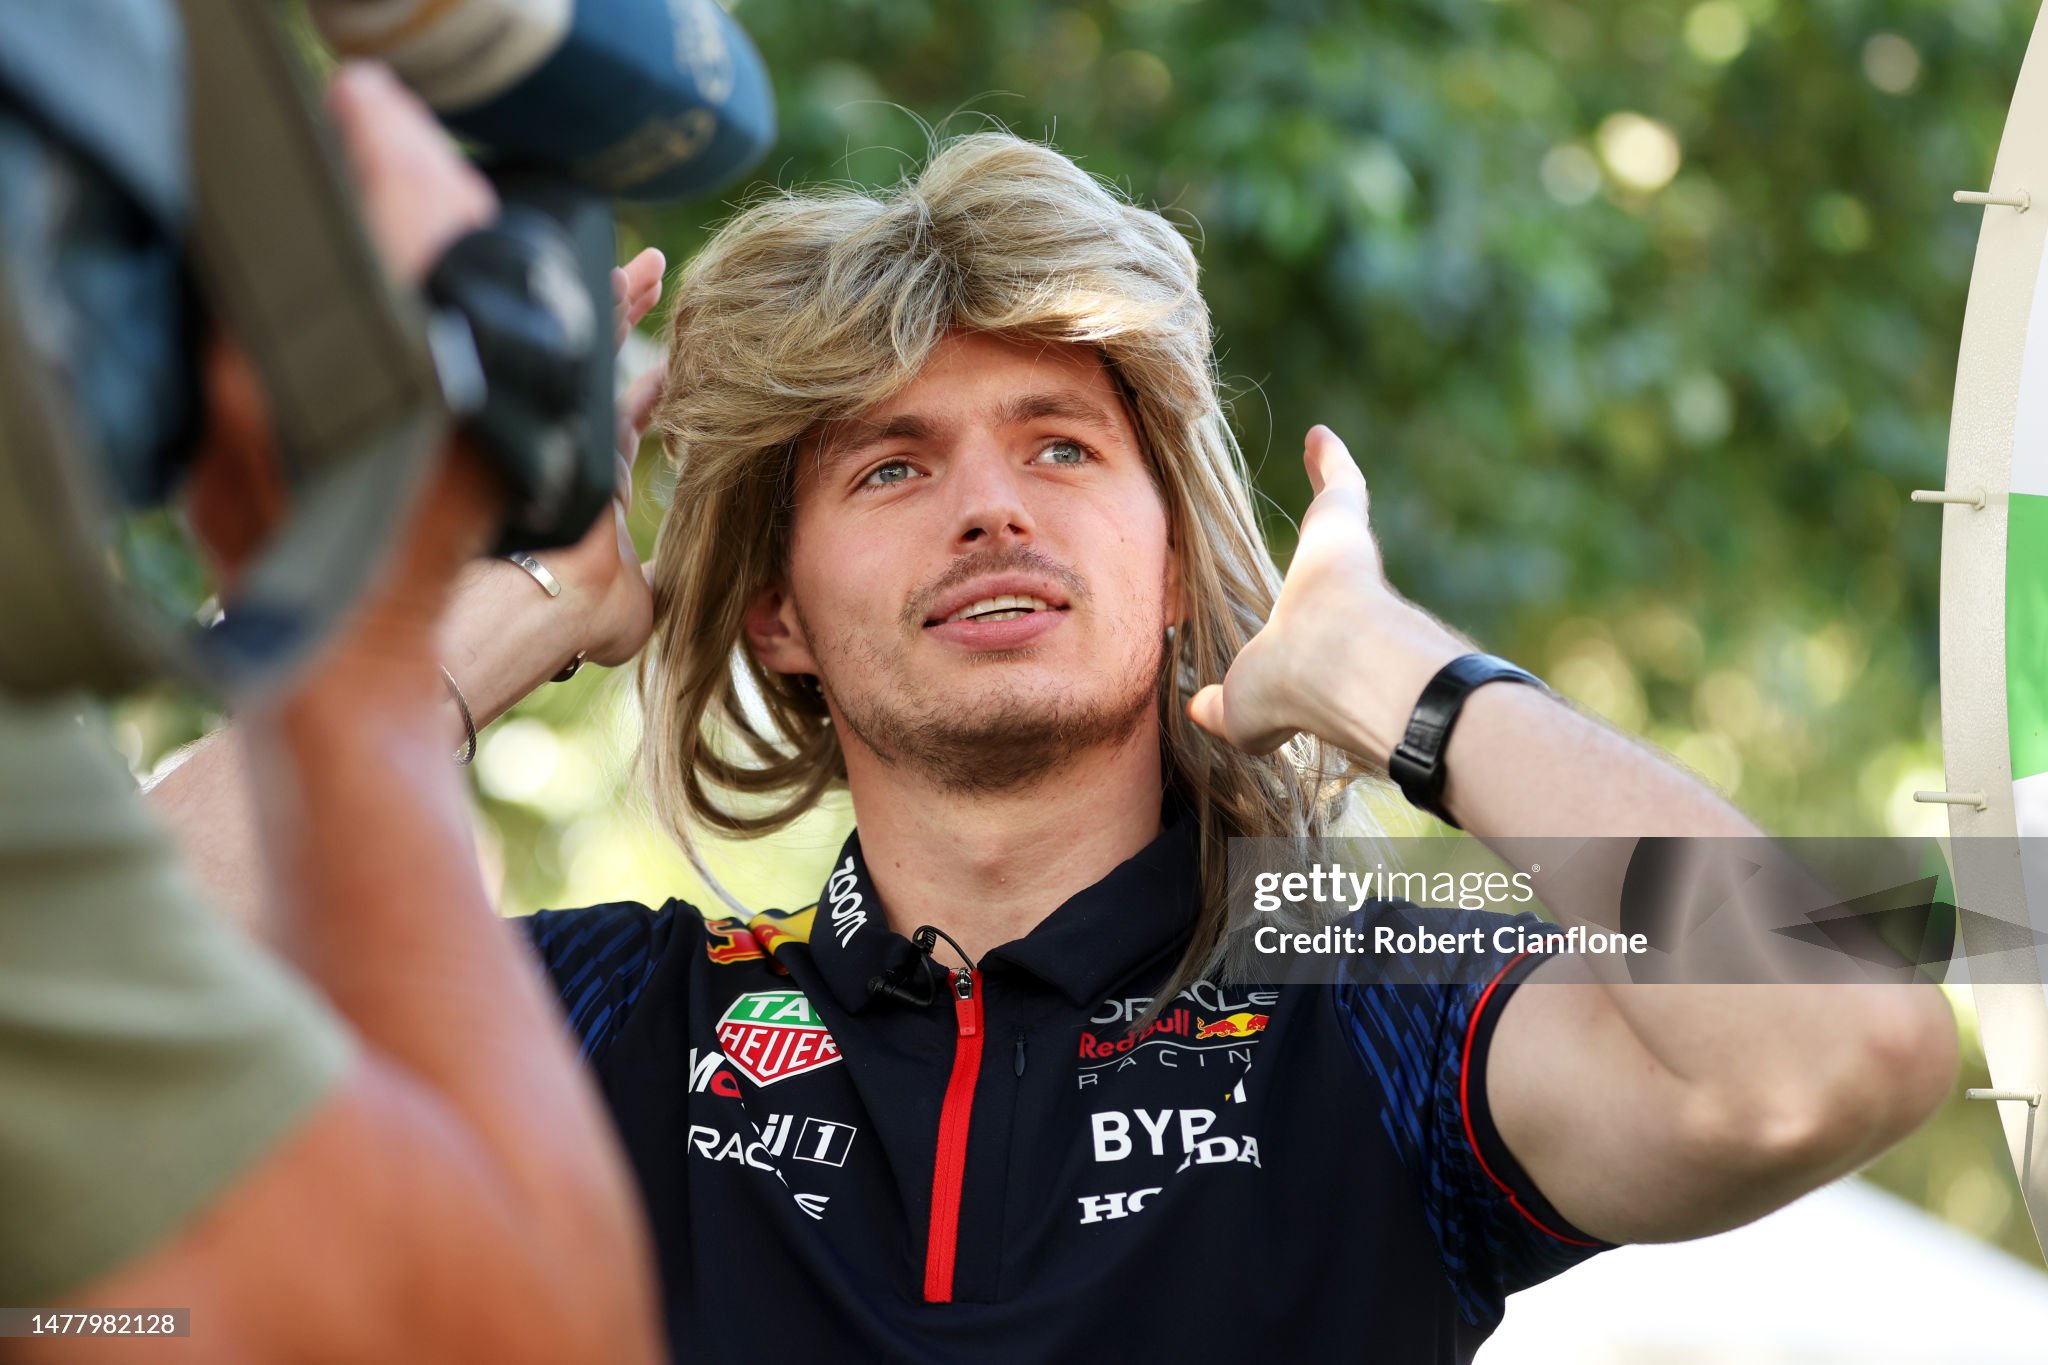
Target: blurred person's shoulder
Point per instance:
(63, 784)
(167, 1019)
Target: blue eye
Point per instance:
(878, 476)
(1081, 453)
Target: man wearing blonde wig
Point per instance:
(959, 524)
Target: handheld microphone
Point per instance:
(634, 99)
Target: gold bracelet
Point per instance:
(468, 749)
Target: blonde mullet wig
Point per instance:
(808, 307)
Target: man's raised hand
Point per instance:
(603, 569)
(1343, 655)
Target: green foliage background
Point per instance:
(1648, 431)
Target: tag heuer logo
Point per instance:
(770, 1036)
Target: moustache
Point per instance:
(1018, 559)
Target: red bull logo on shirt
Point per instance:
(1243, 1024)
(1213, 1031)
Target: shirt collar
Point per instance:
(1144, 906)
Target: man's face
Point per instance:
(980, 575)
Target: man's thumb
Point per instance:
(1205, 709)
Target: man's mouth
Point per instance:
(1005, 608)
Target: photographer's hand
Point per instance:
(416, 193)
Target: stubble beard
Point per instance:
(987, 744)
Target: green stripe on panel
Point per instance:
(2026, 632)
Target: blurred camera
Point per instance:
(164, 169)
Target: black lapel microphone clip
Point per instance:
(910, 982)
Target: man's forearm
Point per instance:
(1825, 1051)
(336, 827)
(504, 636)
(1518, 764)
(1521, 765)
(1524, 765)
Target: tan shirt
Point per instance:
(149, 1053)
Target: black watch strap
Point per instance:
(1417, 763)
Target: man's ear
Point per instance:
(774, 633)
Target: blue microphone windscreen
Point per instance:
(643, 99)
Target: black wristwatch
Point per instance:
(1417, 763)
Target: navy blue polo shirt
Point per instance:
(988, 1165)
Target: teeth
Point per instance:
(1000, 608)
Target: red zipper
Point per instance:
(949, 1168)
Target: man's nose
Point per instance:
(991, 499)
